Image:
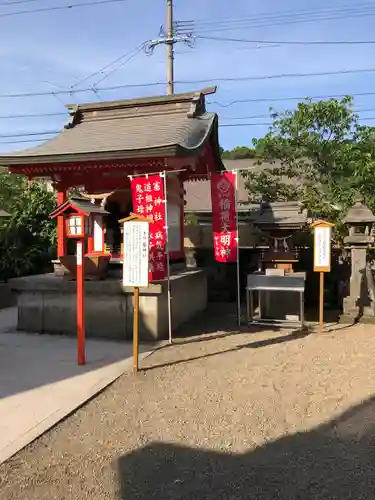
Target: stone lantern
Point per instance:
(359, 304)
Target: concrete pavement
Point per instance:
(40, 382)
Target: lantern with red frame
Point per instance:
(78, 216)
(78, 225)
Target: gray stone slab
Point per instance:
(41, 382)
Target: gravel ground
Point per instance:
(238, 416)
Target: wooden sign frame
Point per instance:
(321, 224)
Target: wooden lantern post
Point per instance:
(322, 259)
(77, 213)
(77, 228)
(135, 268)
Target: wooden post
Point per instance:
(321, 301)
(322, 259)
(135, 329)
(135, 267)
(80, 305)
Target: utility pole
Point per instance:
(169, 36)
(169, 41)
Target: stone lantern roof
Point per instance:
(359, 213)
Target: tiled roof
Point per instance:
(160, 126)
(287, 214)
(198, 193)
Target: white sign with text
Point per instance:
(136, 254)
(322, 248)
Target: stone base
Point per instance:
(47, 304)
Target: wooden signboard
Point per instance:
(135, 268)
(322, 246)
(322, 258)
(136, 254)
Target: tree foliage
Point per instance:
(28, 236)
(238, 153)
(321, 156)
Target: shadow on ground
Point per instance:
(219, 318)
(257, 344)
(333, 461)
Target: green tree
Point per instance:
(321, 156)
(238, 153)
(28, 236)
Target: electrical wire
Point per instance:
(203, 80)
(122, 63)
(277, 76)
(286, 42)
(30, 134)
(281, 13)
(253, 124)
(288, 98)
(59, 7)
(222, 125)
(6, 4)
(244, 23)
(32, 115)
(101, 70)
(22, 141)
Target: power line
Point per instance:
(30, 134)
(222, 125)
(101, 70)
(267, 115)
(279, 14)
(135, 51)
(6, 4)
(281, 20)
(32, 115)
(76, 91)
(60, 7)
(264, 115)
(285, 42)
(34, 140)
(288, 98)
(222, 105)
(22, 141)
(281, 75)
(203, 80)
(253, 124)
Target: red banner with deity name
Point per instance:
(149, 201)
(224, 223)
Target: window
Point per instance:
(75, 225)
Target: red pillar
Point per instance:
(81, 334)
(61, 233)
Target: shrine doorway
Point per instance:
(119, 205)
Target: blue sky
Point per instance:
(54, 50)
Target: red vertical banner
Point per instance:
(149, 201)
(224, 225)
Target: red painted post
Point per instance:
(80, 304)
(61, 233)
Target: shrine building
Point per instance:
(100, 148)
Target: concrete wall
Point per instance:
(7, 297)
(47, 304)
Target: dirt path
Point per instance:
(254, 416)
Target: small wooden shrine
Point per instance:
(279, 222)
(102, 145)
